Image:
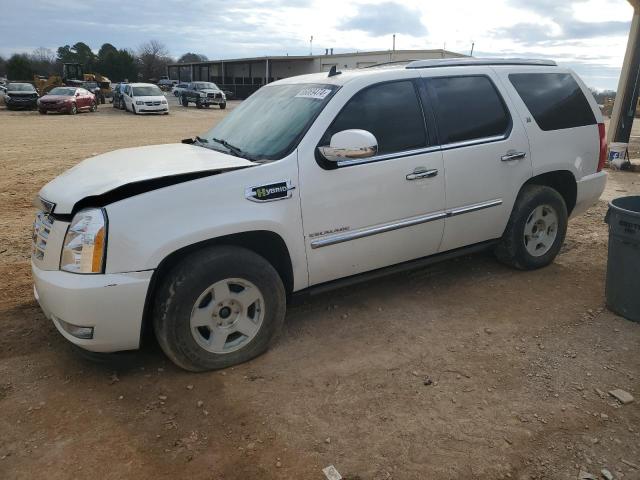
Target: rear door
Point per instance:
(485, 152)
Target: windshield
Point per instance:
(271, 122)
(63, 91)
(146, 91)
(207, 86)
(20, 87)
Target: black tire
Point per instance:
(176, 93)
(73, 110)
(93, 107)
(115, 103)
(185, 102)
(512, 250)
(183, 285)
(198, 103)
(42, 112)
(223, 106)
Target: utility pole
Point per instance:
(472, 45)
(311, 45)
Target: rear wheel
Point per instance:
(219, 307)
(536, 229)
(42, 112)
(176, 93)
(185, 102)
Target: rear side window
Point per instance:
(391, 111)
(467, 108)
(555, 100)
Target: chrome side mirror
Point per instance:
(350, 144)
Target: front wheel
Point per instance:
(219, 307)
(198, 103)
(223, 106)
(73, 110)
(536, 229)
(94, 107)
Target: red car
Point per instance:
(70, 100)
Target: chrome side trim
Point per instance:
(474, 207)
(388, 156)
(475, 141)
(408, 222)
(368, 231)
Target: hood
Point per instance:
(130, 171)
(21, 92)
(58, 98)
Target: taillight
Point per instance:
(603, 147)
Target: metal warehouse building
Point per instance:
(243, 76)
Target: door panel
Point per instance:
(485, 153)
(379, 211)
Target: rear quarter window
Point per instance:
(555, 100)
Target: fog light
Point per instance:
(85, 333)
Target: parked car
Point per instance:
(69, 100)
(21, 95)
(118, 88)
(203, 94)
(179, 88)
(312, 182)
(144, 98)
(165, 83)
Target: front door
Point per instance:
(360, 215)
(485, 153)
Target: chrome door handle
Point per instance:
(422, 172)
(513, 155)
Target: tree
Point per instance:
(79, 53)
(43, 61)
(3, 67)
(105, 49)
(117, 64)
(19, 67)
(153, 57)
(190, 57)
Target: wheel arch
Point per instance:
(563, 181)
(265, 243)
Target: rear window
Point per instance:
(468, 108)
(555, 100)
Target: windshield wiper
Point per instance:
(232, 148)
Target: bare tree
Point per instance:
(153, 57)
(43, 61)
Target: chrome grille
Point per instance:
(152, 104)
(41, 229)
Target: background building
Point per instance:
(243, 76)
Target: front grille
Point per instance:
(152, 104)
(41, 229)
(214, 95)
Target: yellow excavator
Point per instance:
(73, 74)
(44, 85)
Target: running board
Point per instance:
(385, 271)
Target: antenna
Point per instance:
(333, 71)
(311, 45)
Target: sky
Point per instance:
(586, 35)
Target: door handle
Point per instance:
(422, 172)
(513, 155)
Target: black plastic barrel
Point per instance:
(623, 265)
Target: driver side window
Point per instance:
(390, 111)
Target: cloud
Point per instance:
(537, 33)
(386, 18)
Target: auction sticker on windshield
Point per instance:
(313, 92)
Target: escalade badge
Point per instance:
(269, 192)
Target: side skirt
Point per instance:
(300, 295)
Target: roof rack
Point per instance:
(462, 62)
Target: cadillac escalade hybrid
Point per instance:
(311, 182)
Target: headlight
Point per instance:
(139, 102)
(83, 250)
(7, 97)
(164, 102)
(203, 95)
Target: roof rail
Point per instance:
(462, 62)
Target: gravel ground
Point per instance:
(465, 370)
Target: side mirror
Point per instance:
(350, 144)
(77, 94)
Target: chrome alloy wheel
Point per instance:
(227, 315)
(540, 230)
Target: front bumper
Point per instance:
(21, 103)
(152, 109)
(62, 107)
(112, 304)
(589, 189)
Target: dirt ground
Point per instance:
(465, 370)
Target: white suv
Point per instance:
(313, 181)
